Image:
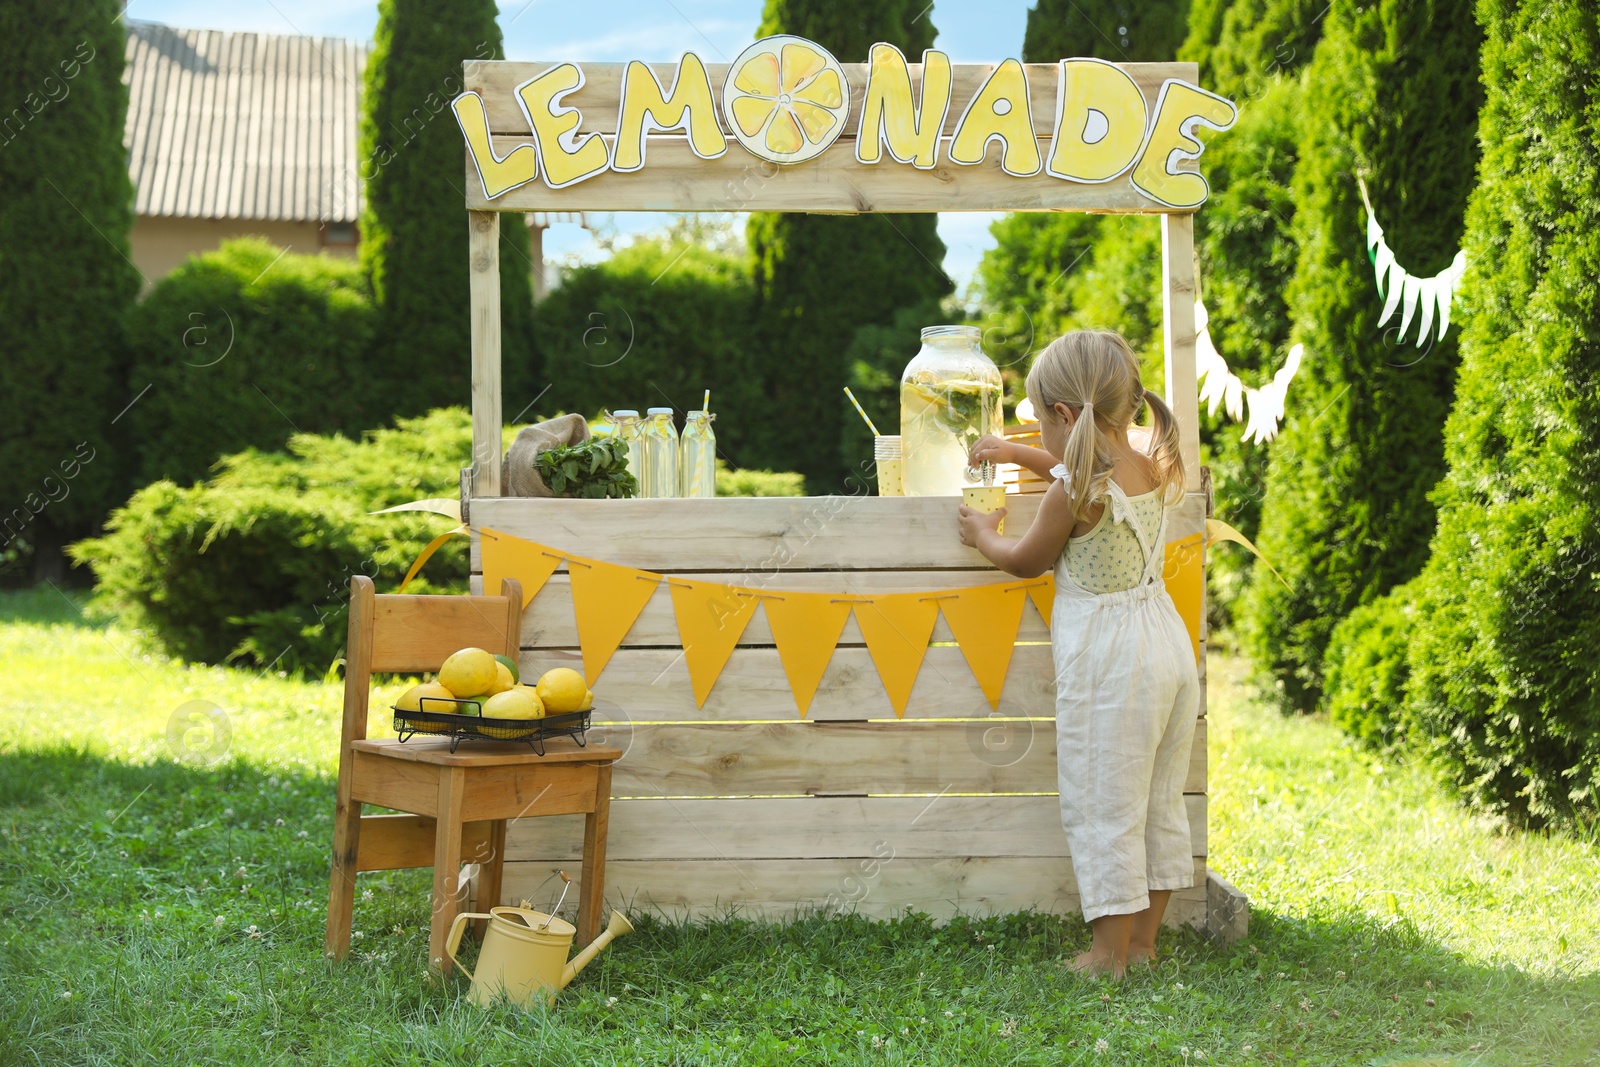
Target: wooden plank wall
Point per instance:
(674, 178)
(743, 806)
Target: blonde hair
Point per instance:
(1094, 372)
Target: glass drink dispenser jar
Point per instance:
(949, 398)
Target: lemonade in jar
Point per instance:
(949, 398)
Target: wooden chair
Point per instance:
(460, 800)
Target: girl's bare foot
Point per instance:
(1141, 957)
(1091, 965)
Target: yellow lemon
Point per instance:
(468, 673)
(502, 681)
(563, 689)
(518, 702)
(588, 699)
(788, 99)
(411, 700)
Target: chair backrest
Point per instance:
(416, 634)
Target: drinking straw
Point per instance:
(705, 405)
(862, 412)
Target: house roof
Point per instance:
(243, 125)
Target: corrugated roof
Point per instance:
(243, 125)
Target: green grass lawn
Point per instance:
(165, 912)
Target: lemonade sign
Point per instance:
(786, 101)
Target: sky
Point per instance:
(970, 31)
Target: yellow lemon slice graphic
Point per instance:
(788, 99)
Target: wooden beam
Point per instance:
(765, 536)
(483, 247)
(1178, 336)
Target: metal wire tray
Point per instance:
(469, 723)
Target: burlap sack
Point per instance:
(520, 475)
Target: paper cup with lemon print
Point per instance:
(987, 499)
(786, 99)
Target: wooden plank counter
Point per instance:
(742, 805)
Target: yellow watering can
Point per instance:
(524, 954)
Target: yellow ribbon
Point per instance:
(1217, 530)
(427, 554)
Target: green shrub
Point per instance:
(1346, 515)
(245, 346)
(758, 483)
(1246, 249)
(1366, 668)
(1505, 675)
(253, 565)
(655, 326)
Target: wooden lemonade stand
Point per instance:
(739, 802)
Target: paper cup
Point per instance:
(985, 498)
(891, 475)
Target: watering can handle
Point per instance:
(453, 942)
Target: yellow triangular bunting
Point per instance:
(1185, 575)
(711, 619)
(984, 620)
(505, 556)
(1044, 597)
(897, 629)
(806, 627)
(606, 599)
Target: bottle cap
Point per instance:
(658, 411)
(625, 413)
(699, 414)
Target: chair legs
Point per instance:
(490, 874)
(342, 878)
(592, 894)
(446, 866)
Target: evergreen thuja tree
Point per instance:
(65, 278)
(820, 278)
(1122, 31)
(414, 222)
(1243, 45)
(1505, 683)
(1346, 514)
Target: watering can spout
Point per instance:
(618, 926)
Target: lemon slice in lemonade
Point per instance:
(788, 99)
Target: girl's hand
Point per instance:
(991, 449)
(974, 522)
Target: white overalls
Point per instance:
(1127, 694)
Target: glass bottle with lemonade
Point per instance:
(949, 398)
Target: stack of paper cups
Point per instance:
(891, 480)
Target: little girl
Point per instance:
(1127, 690)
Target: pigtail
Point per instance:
(1164, 450)
(1087, 460)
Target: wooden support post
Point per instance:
(484, 256)
(446, 865)
(1177, 306)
